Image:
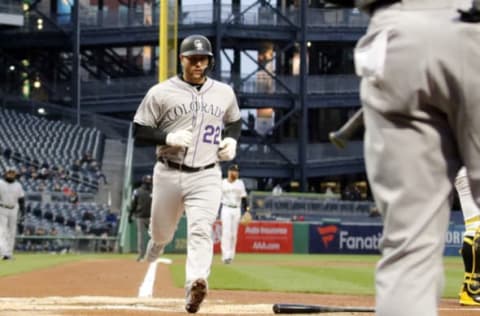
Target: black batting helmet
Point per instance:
(196, 45)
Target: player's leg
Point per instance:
(142, 227)
(411, 160)
(226, 217)
(468, 138)
(414, 201)
(11, 232)
(3, 234)
(202, 193)
(167, 209)
(235, 223)
(469, 294)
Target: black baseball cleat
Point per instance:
(7, 258)
(195, 295)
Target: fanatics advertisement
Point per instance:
(340, 238)
(260, 237)
(364, 239)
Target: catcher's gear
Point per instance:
(227, 149)
(470, 291)
(182, 138)
(197, 45)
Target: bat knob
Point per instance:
(338, 141)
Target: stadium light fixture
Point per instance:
(37, 83)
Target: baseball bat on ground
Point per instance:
(314, 309)
(341, 137)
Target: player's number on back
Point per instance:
(212, 135)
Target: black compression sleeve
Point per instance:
(244, 204)
(146, 135)
(233, 129)
(21, 205)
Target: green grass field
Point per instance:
(335, 274)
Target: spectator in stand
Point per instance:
(99, 174)
(7, 153)
(77, 166)
(73, 197)
(112, 221)
(23, 171)
(57, 187)
(44, 173)
(33, 172)
(277, 190)
(86, 158)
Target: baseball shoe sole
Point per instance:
(196, 295)
(467, 299)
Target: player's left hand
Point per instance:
(246, 218)
(227, 149)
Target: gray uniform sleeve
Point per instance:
(232, 112)
(149, 111)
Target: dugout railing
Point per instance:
(307, 207)
(66, 244)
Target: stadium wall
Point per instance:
(303, 237)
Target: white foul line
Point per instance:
(146, 289)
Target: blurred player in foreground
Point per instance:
(419, 91)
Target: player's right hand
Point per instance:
(181, 138)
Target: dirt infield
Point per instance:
(110, 287)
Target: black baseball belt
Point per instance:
(231, 206)
(183, 167)
(10, 207)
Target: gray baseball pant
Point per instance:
(196, 193)
(422, 119)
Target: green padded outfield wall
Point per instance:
(301, 237)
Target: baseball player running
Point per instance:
(195, 122)
(234, 198)
(470, 290)
(12, 200)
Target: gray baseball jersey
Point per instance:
(175, 105)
